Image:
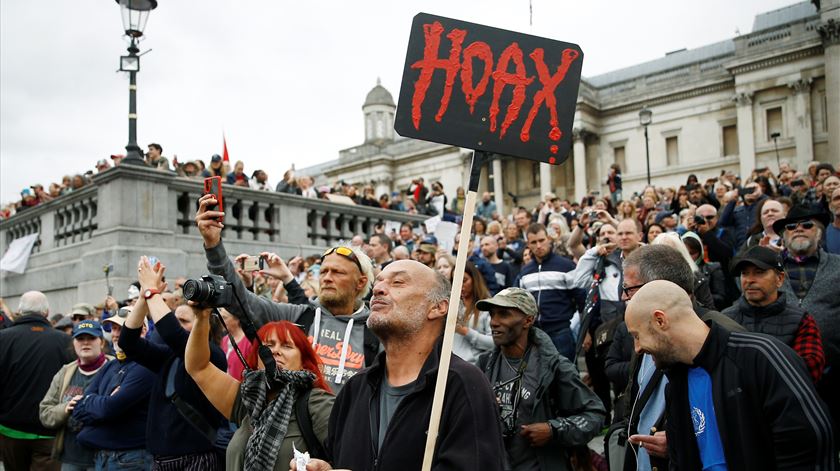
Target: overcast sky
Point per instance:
(284, 81)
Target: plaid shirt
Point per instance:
(808, 344)
(801, 272)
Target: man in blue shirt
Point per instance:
(735, 400)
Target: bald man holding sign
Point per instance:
(735, 401)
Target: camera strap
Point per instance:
(232, 340)
(251, 332)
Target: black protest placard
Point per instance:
(489, 89)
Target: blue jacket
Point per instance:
(115, 421)
(168, 433)
(739, 219)
(552, 283)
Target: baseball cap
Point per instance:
(82, 309)
(662, 215)
(762, 257)
(133, 292)
(216, 158)
(102, 162)
(550, 197)
(517, 298)
(88, 327)
(63, 323)
(117, 156)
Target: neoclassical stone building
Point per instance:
(714, 108)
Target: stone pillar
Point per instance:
(580, 165)
(802, 132)
(545, 179)
(746, 138)
(498, 187)
(830, 33)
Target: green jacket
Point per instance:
(52, 411)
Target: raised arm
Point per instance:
(219, 388)
(262, 310)
(151, 355)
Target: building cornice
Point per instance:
(762, 62)
(635, 105)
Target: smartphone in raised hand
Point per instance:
(213, 186)
(252, 263)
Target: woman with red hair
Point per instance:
(267, 410)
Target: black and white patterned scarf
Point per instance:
(269, 420)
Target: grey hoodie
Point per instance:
(327, 333)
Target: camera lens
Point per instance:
(197, 290)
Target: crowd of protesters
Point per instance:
(695, 326)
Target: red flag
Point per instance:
(225, 157)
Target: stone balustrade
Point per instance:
(132, 211)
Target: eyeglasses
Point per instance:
(346, 253)
(807, 225)
(630, 290)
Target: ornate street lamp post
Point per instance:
(645, 118)
(135, 13)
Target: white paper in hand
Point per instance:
(301, 459)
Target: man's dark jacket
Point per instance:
(768, 413)
(573, 411)
(31, 353)
(470, 434)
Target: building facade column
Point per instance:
(830, 33)
(498, 191)
(746, 137)
(580, 164)
(545, 179)
(802, 131)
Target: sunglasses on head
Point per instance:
(344, 252)
(805, 225)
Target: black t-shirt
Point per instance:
(521, 454)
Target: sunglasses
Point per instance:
(805, 225)
(630, 290)
(344, 252)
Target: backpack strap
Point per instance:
(315, 447)
(187, 411)
(371, 346)
(306, 319)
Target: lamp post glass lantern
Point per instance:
(645, 118)
(135, 13)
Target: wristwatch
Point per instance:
(149, 293)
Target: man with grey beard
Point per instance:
(813, 277)
(380, 417)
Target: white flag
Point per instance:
(17, 256)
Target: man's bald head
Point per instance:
(660, 318)
(34, 302)
(661, 295)
(706, 210)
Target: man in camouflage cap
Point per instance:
(538, 430)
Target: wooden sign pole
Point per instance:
(478, 160)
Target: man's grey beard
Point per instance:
(800, 245)
(398, 325)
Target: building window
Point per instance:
(774, 121)
(730, 140)
(618, 154)
(672, 150)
